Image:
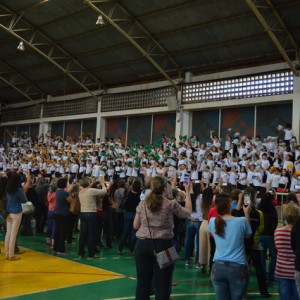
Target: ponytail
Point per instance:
(155, 198)
(153, 201)
(223, 207)
(220, 226)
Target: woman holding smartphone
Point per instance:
(230, 274)
(192, 226)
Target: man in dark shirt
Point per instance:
(252, 249)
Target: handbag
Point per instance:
(75, 205)
(27, 208)
(166, 257)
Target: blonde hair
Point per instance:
(291, 213)
(168, 192)
(154, 199)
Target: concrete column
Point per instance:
(45, 128)
(100, 126)
(296, 108)
(178, 125)
(183, 123)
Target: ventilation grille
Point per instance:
(259, 85)
(135, 100)
(68, 108)
(24, 113)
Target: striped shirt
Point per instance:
(285, 263)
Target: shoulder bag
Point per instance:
(166, 257)
(27, 208)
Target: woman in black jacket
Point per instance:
(266, 238)
(132, 202)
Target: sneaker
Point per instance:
(266, 295)
(61, 253)
(93, 257)
(198, 266)
(187, 263)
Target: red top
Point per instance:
(51, 201)
(285, 263)
(211, 214)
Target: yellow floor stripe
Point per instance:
(36, 272)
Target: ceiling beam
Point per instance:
(168, 32)
(273, 31)
(10, 83)
(20, 84)
(17, 26)
(137, 35)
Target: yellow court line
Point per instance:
(38, 272)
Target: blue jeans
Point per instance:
(51, 225)
(287, 289)
(267, 242)
(191, 231)
(229, 279)
(88, 223)
(128, 231)
(297, 280)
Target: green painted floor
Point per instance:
(190, 283)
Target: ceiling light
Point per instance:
(21, 46)
(100, 21)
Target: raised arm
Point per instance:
(27, 183)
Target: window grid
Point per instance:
(259, 85)
(135, 100)
(67, 108)
(24, 113)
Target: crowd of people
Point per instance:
(226, 189)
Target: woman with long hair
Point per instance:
(266, 238)
(109, 214)
(132, 202)
(154, 221)
(51, 206)
(41, 209)
(14, 197)
(32, 196)
(229, 274)
(192, 226)
(204, 244)
(120, 197)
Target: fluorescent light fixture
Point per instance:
(21, 46)
(100, 21)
